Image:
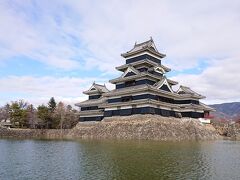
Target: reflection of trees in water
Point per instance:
(144, 160)
(38, 159)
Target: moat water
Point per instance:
(45, 159)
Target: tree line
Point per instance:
(51, 116)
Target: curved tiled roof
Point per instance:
(96, 88)
(91, 102)
(187, 90)
(147, 45)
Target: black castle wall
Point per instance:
(145, 56)
(151, 110)
(154, 97)
(136, 83)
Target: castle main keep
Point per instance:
(143, 88)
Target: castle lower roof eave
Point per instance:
(197, 106)
(90, 113)
(139, 102)
(146, 88)
(189, 91)
(91, 102)
(98, 89)
(91, 92)
(179, 96)
(127, 90)
(160, 104)
(207, 107)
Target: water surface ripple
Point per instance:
(42, 159)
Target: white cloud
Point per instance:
(70, 34)
(38, 90)
(219, 82)
(185, 30)
(56, 32)
(63, 30)
(42, 40)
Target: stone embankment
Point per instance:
(229, 130)
(33, 133)
(143, 127)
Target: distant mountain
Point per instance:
(227, 111)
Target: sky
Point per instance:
(58, 48)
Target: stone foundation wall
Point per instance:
(33, 133)
(126, 127)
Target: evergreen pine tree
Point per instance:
(52, 104)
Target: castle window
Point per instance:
(130, 83)
(134, 106)
(126, 98)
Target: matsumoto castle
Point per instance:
(143, 88)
